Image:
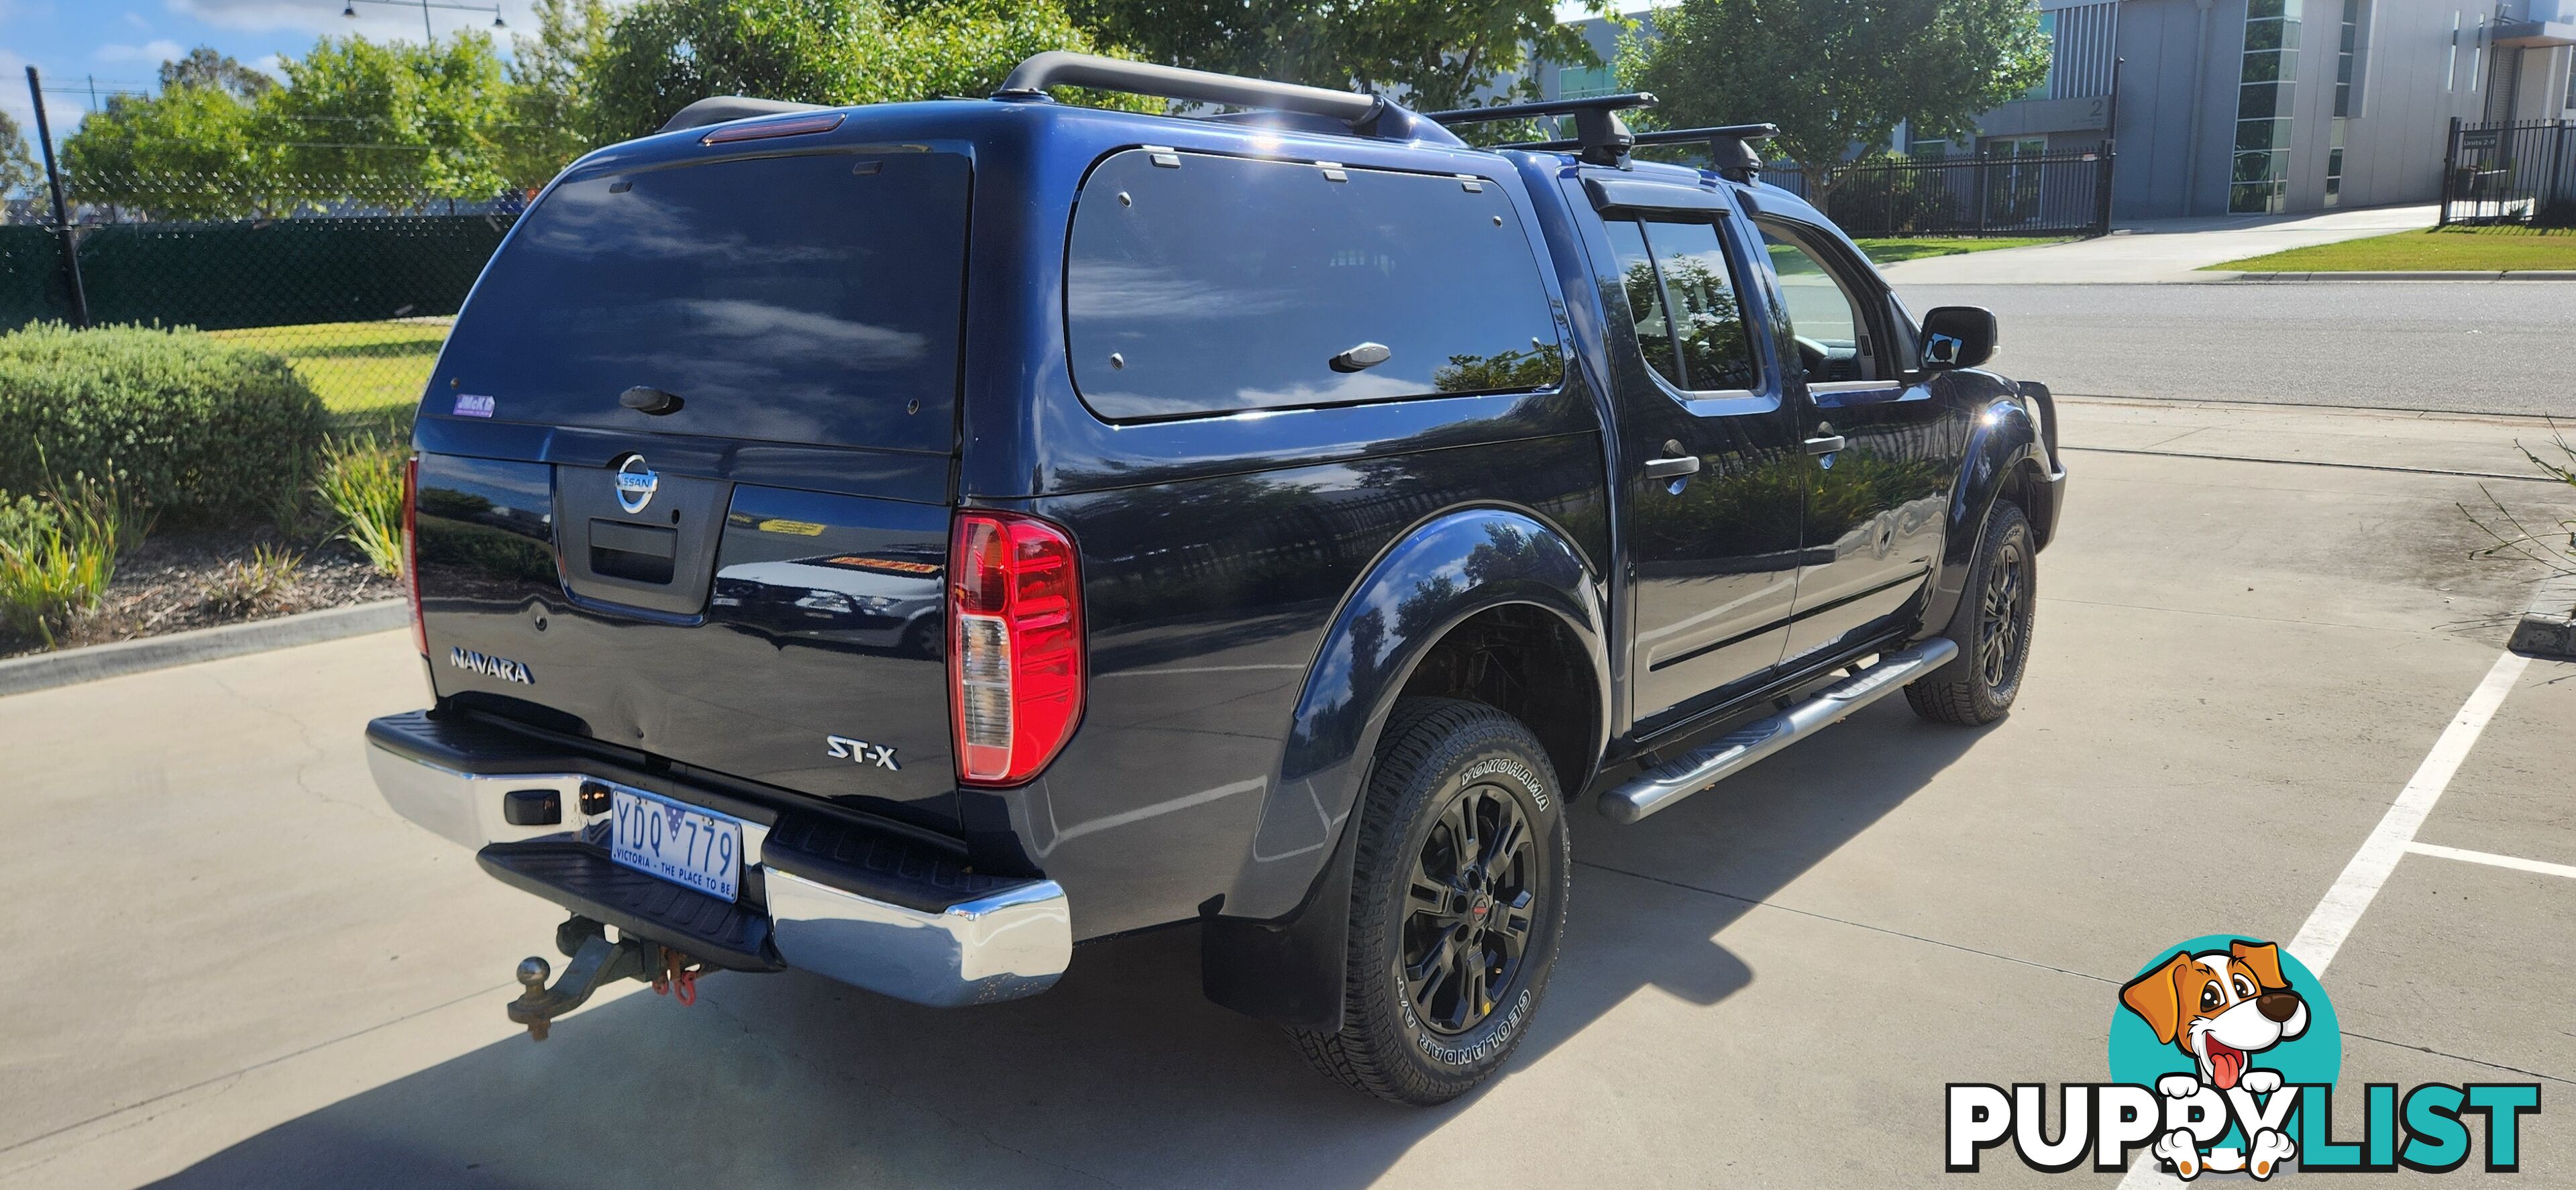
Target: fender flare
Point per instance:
(1275, 949)
(2002, 438)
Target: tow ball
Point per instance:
(597, 961)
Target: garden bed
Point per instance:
(175, 581)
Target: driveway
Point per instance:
(2157, 250)
(230, 965)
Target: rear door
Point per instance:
(1711, 479)
(1881, 450)
(744, 580)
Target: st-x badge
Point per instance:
(635, 484)
(861, 752)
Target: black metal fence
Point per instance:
(354, 283)
(2522, 172)
(2046, 194)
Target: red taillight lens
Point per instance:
(411, 551)
(1014, 645)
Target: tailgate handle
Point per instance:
(636, 553)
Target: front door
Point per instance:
(1884, 450)
(1711, 473)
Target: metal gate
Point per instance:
(2510, 172)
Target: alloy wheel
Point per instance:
(1468, 909)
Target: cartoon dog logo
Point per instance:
(2221, 1007)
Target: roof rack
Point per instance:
(1365, 115)
(1599, 133)
(718, 109)
(1732, 144)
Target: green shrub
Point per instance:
(362, 484)
(200, 429)
(56, 557)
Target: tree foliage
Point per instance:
(19, 172)
(1836, 75)
(204, 67)
(552, 118)
(395, 115)
(663, 55)
(1431, 54)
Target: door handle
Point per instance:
(1825, 445)
(1672, 468)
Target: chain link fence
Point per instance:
(354, 281)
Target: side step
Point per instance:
(1731, 753)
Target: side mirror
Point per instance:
(1958, 337)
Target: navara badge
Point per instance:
(635, 484)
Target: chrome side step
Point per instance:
(1731, 753)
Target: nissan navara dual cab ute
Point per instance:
(905, 542)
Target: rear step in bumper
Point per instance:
(1731, 753)
(1001, 942)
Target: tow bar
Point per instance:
(597, 961)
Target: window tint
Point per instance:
(1225, 284)
(1645, 299)
(1689, 325)
(811, 298)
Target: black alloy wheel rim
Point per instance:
(2000, 616)
(1469, 909)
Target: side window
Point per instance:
(1199, 284)
(1833, 336)
(1681, 296)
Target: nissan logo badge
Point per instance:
(635, 484)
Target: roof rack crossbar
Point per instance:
(1732, 144)
(1598, 131)
(1367, 115)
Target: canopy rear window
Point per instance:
(1198, 284)
(813, 298)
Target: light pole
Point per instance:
(349, 9)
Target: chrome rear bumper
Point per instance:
(1004, 944)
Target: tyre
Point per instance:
(1457, 904)
(1992, 628)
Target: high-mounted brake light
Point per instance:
(411, 551)
(1015, 673)
(764, 129)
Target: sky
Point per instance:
(120, 44)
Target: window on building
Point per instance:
(2334, 164)
(1209, 284)
(2451, 64)
(2348, 62)
(2048, 46)
(2571, 81)
(1928, 150)
(1681, 297)
(1577, 83)
(2259, 176)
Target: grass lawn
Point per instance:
(368, 374)
(2464, 248)
(1890, 251)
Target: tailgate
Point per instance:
(788, 637)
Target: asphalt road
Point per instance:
(229, 964)
(2465, 347)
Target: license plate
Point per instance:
(682, 844)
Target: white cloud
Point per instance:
(152, 52)
(136, 19)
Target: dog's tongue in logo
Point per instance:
(2226, 1063)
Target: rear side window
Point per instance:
(1690, 327)
(1219, 284)
(809, 299)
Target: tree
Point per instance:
(19, 173)
(390, 122)
(1431, 54)
(663, 55)
(203, 67)
(551, 118)
(1837, 74)
(188, 153)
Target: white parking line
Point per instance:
(2332, 920)
(2491, 859)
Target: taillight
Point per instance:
(1014, 645)
(411, 551)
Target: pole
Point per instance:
(425, 34)
(2450, 170)
(62, 219)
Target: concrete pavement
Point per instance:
(2157, 250)
(231, 965)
